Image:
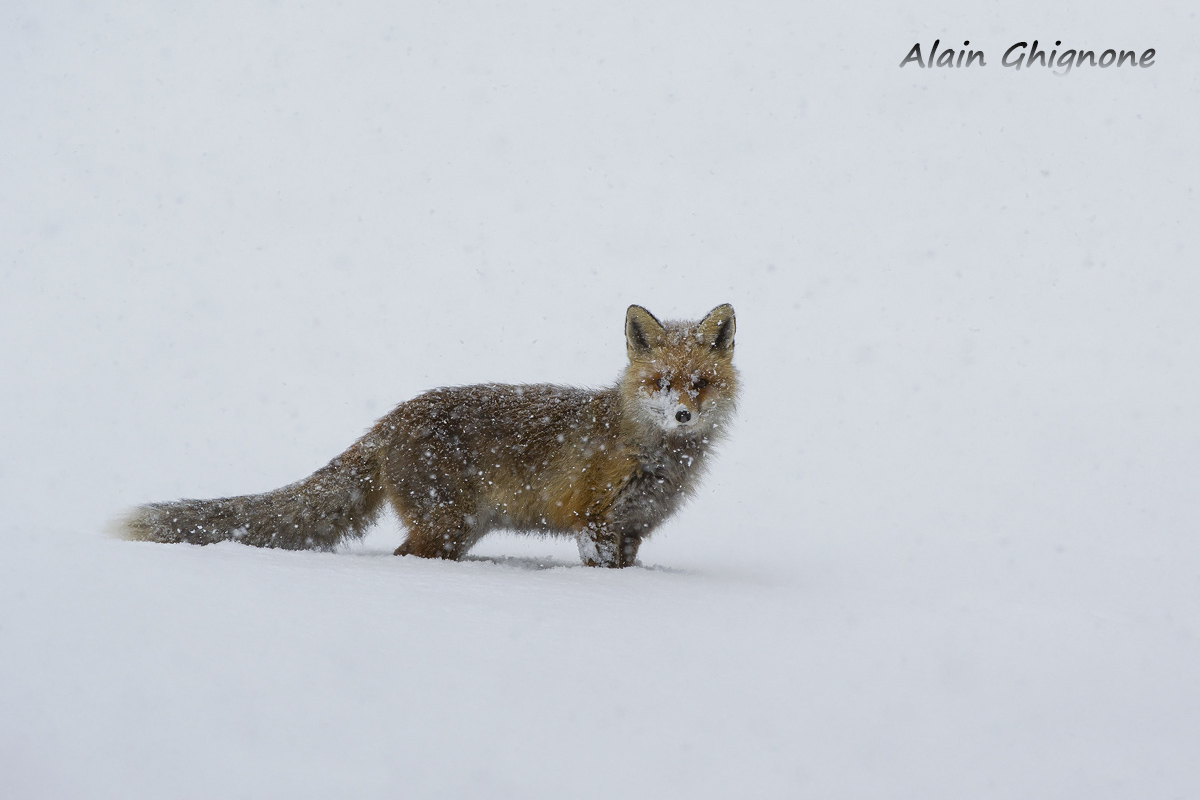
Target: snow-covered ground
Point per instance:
(950, 550)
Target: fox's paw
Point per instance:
(605, 552)
(597, 553)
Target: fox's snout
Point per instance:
(683, 414)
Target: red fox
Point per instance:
(605, 467)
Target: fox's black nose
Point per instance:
(683, 415)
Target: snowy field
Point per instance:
(950, 550)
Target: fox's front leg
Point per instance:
(604, 546)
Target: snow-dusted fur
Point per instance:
(605, 466)
(339, 500)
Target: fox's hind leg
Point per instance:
(435, 542)
(443, 532)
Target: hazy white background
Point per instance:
(949, 551)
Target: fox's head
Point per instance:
(681, 376)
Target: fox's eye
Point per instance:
(699, 383)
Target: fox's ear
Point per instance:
(716, 330)
(643, 332)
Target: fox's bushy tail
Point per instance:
(336, 502)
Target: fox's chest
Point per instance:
(657, 488)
